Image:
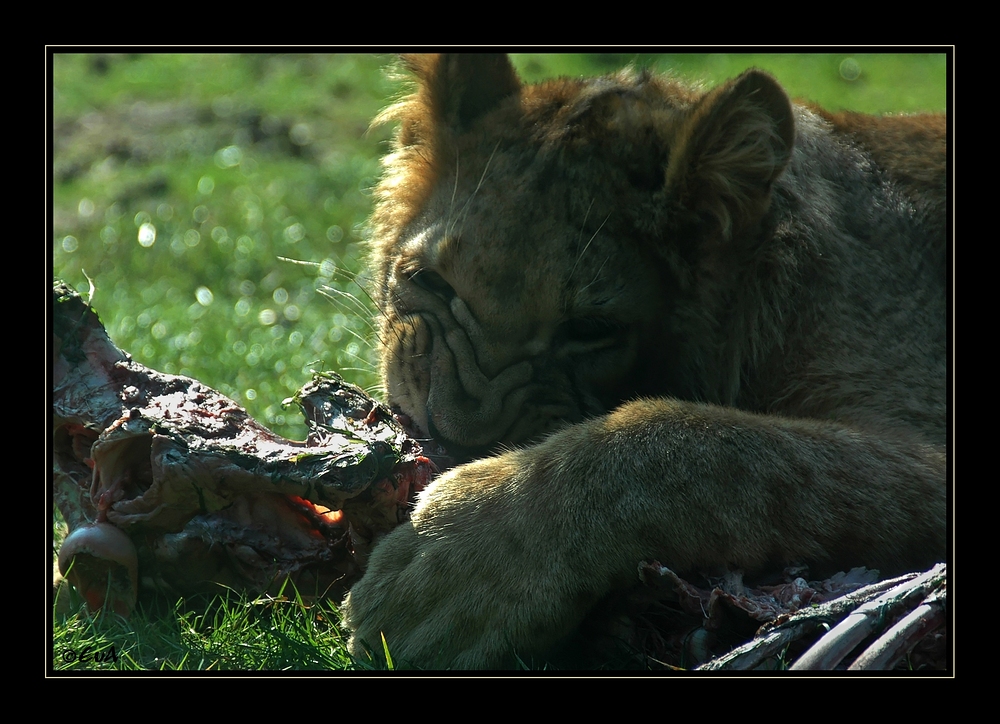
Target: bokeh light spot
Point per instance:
(147, 235)
(226, 158)
(850, 69)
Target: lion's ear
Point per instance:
(460, 87)
(733, 145)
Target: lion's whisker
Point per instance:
(589, 242)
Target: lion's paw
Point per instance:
(479, 578)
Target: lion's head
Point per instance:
(540, 250)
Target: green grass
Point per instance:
(218, 204)
(222, 634)
(203, 152)
(867, 82)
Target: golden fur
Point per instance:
(706, 328)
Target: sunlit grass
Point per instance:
(226, 633)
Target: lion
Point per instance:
(702, 327)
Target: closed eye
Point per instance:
(432, 282)
(590, 331)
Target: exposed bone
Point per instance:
(859, 614)
(846, 635)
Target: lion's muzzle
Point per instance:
(463, 407)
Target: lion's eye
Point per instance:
(590, 330)
(432, 282)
